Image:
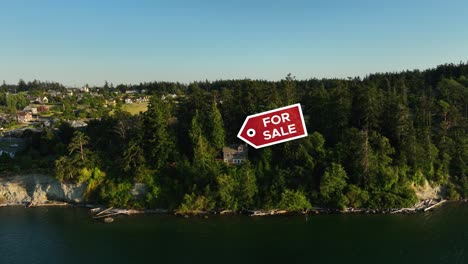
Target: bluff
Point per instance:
(38, 189)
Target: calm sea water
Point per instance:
(70, 235)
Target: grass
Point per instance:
(50, 114)
(15, 126)
(135, 108)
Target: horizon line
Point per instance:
(361, 77)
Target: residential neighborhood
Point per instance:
(40, 107)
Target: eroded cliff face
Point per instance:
(37, 189)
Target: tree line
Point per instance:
(371, 140)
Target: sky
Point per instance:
(78, 42)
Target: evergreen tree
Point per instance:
(332, 184)
(217, 128)
(156, 135)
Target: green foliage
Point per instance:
(116, 193)
(227, 188)
(195, 204)
(293, 201)
(84, 175)
(451, 192)
(356, 197)
(332, 185)
(157, 141)
(398, 197)
(247, 185)
(133, 156)
(152, 196)
(65, 170)
(238, 189)
(217, 128)
(94, 180)
(74, 166)
(369, 140)
(13, 102)
(78, 144)
(6, 162)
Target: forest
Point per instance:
(371, 140)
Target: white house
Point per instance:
(32, 110)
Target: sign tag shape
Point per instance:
(274, 126)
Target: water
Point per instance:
(70, 235)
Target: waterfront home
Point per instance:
(235, 154)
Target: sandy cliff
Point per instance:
(37, 189)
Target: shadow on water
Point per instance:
(70, 235)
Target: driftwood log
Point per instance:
(432, 206)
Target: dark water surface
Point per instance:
(70, 235)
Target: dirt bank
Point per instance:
(38, 189)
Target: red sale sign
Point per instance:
(273, 127)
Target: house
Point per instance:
(110, 102)
(78, 124)
(46, 123)
(142, 99)
(131, 92)
(128, 101)
(32, 110)
(31, 98)
(40, 100)
(169, 96)
(235, 154)
(24, 117)
(85, 89)
(53, 93)
(42, 108)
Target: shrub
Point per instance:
(195, 204)
(356, 197)
(116, 194)
(293, 201)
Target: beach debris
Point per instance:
(108, 220)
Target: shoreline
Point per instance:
(104, 213)
(37, 190)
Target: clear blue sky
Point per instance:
(77, 42)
